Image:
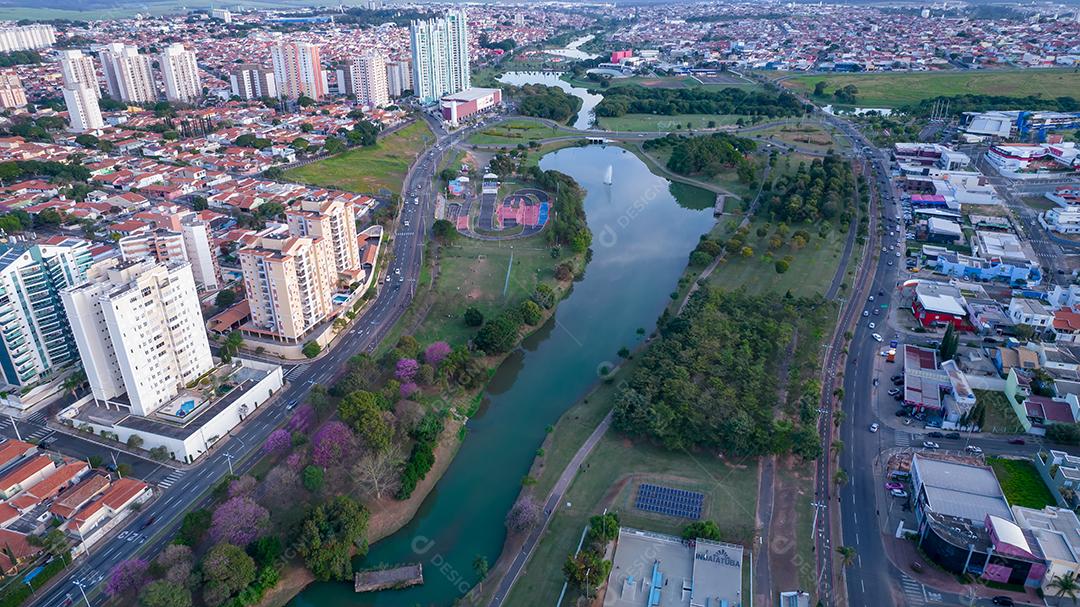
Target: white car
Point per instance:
(871, 298)
(873, 326)
(973, 449)
(898, 493)
(865, 313)
(898, 253)
(874, 427)
(931, 445)
(876, 337)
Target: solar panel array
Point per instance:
(672, 502)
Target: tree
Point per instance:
(604, 527)
(586, 570)
(1066, 434)
(232, 344)
(328, 535)
(1067, 585)
(444, 231)
(163, 593)
(226, 571)
(781, 266)
(361, 411)
(176, 561)
(819, 88)
(277, 441)
(199, 203)
(498, 335)
(305, 101)
(544, 296)
(949, 344)
(847, 556)
(473, 317)
(224, 298)
(706, 530)
(239, 521)
(330, 444)
(480, 567)
(531, 313)
(314, 478)
(135, 441)
(194, 527)
(126, 577)
(266, 550)
(379, 471)
(436, 353)
(311, 349)
(406, 369)
(524, 514)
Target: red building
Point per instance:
(938, 305)
(617, 56)
(459, 106)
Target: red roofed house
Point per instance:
(78, 496)
(119, 496)
(12, 450)
(1043, 411)
(49, 486)
(15, 550)
(1066, 326)
(27, 475)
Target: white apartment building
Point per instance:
(398, 77)
(289, 283)
(440, 55)
(335, 222)
(366, 80)
(181, 74)
(84, 113)
(140, 334)
(190, 244)
(298, 70)
(27, 37)
(78, 70)
(249, 81)
(1030, 312)
(12, 94)
(128, 74)
(35, 337)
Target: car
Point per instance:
(898, 493)
(902, 412)
(894, 391)
(865, 313)
(896, 377)
(953, 436)
(973, 449)
(898, 253)
(877, 312)
(898, 397)
(1005, 601)
(894, 485)
(45, 444)
(881, 293)
(872, 326)
(874, 427)
(916, 566)
(1017, 441)
(882, 249)
(876, 337)
(889, 264)
(935, 435)
(930, 445)
(871, 298)
(292, 404)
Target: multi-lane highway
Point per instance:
(155, 525)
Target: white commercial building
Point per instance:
(440, 55)
(128, 73)
(140, 333)
(27, 37)
(1030, 312)
(181, 74)
(249, 81)
(298, 70)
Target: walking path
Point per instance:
(550, 506)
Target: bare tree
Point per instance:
(379, 472)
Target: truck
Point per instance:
(891, 356)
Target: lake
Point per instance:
(589, 100)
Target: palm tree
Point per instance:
(73, 382)
(847, 555)
(1066, 586)
(837, 447)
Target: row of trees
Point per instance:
(710, 381)
(634, 99)
(567, 225)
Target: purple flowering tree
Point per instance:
(524, 515)
(239, 521)
(301, 419)
(126, 577)
(278, 441)
(331, 444)
(436, 352)
(408, 389)
(406, 369)
(295, 461)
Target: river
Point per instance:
(642, 236)
(589, 100)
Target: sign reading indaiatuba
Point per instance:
(720, 557)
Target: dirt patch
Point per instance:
(785, 560)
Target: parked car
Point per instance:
(865, 313)
(1003, 600)
(898, 493)
(894, 391)
(894, 485)
(935, 435)
(901, 413)
(973, 449)
(931, 445)
(1017, 441)
(916, 566)
(899, 376)
(898, 397)
(874, 427)
(953, 436)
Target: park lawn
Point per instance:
(1021, 483)
(609, 479)
(809, 136)
(657, 123)
(474, 273)
(1000, 417)
(810, 273)
(513, 132)
(727, 179)
(369, 170)
(1039, 203)
(893, 89)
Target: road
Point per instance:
(156, 524)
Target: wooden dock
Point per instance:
(718, 206)
(388, 579)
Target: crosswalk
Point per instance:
(40, 434)
(38, 418)
(913, 591)
(291, 372)
(171, 479)
(903, 439)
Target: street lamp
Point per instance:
(82, 590)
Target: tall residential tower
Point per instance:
(181, 74)
(440, 55)
(298, 70)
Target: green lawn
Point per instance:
(893, 89)
(513, 132)
(811, 268)
(1021, 483)
(1000, 417)
(726, 179)
(811, 137)
(371, 169)
(654, 123)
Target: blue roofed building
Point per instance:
(967, 267)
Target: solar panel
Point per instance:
(671, 502)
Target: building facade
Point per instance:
(398, 77)
(35, 336)
(369, 80)
(180, 71)
(27, 37)
(335, 222)
(81, 92)
(78, 70)
(249, 81)
(191, 243)
(140, 333)
(288, 283)
(440, 55)
(128, 74)
(298, 70)
(12, 94)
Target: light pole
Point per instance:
(83, 591)
(229, 458)
(14, 425)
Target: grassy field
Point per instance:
(513, 132)
(1021, 483)
(381, 167)
(654, 123)
(810, 137)
(893, 89)
(727, 179)
(1000, 417)
(1039, 203)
